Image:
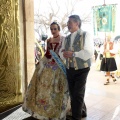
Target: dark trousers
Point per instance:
(76, 82)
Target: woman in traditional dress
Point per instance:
(47, 94)
(108, 63)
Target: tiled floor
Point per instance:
(102, 101)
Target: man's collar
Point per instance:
(79, 31)
(74, 32)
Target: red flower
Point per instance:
(42, 101)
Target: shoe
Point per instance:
(84, 115)
(114, 80)
(107, 82)
(68, 117)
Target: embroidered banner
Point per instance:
(104, 18)
(58, 61)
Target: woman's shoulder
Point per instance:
(62, 37)
(48, 40)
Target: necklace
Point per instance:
(53, 46)
(56, 36)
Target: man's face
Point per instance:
(72, 25)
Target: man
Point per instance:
(77, 50)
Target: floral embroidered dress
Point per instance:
(47, 94)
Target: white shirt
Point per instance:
(86, 53)
(73, 35)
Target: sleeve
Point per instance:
(88, 51)
(61, 49)
(46, 44)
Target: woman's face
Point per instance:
(54, 30)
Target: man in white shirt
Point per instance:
(77, 50)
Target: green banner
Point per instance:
(104, 18)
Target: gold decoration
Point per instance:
(10, 83)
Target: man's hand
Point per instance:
(68, 54)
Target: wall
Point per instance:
(16, 50)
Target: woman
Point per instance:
(47, 94)
(108, 63)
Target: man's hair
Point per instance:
(55, 23)
(77, 19)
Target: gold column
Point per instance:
(10, 75)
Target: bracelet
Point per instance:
(73, 55)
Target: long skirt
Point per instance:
(108, 65)
(47, 94)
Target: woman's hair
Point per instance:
(55, 23)
(77, 19)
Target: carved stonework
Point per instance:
(10, 77)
